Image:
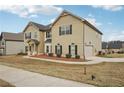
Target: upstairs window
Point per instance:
(28, 35)
(48, 34)
(35, 34)
(65, 30)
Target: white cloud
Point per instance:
(52, 20)
(90, 15)
(116, 36)
(109, 7)
(94, 22)
(31, 10)
(33, 16)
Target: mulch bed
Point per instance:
(58, 58)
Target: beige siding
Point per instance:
(93, 37)
(42, 43)
(33, 29)
(14, 47)
(66, 40)
(40, 37)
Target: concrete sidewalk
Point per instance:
(65, 62)
(93, 60)
(22, 78)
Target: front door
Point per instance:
(73, 50)
(58, 50)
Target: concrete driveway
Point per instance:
(22, 78)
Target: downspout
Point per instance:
(84, 41)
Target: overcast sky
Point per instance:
(108, 19)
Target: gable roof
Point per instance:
(12, 36)
(48, 41)
(79, 18)
(39, 26)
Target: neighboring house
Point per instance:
(11, 43)
(113, 46)
(68, 34)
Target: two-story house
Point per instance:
(68, 34)
(74, 35)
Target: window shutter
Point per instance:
(69, 49)
(55, 49)
(60, 31)
(30, 34)
(61, 49)
(70, 29)
(75, 49)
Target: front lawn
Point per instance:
(112, 55)
(106, 74)
(5, 84)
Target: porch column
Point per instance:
(29, 52)
(34, 52)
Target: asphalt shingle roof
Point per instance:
(12, 36)
(48, 41)
(41, 27)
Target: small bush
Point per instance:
(113, 52)
(109, 53)
(58, 55)
(120, 52)
(103, 53)
(68, 55)
(100, 53)
(77, 56)
(50, 54)
(21, 53)
(0, 54)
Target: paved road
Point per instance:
(22, 78)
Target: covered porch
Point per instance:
(32, 47)
(1, 50)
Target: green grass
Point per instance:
(112, 55)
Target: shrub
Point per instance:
(103, 53)
(120, 52)
(21, 53)
(113, 52)
(109, 53)
(77, 56)
(0, 54)
(68, 55)
(58, 55)
(50, 54)
(100, 53)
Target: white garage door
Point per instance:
(88, 51)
